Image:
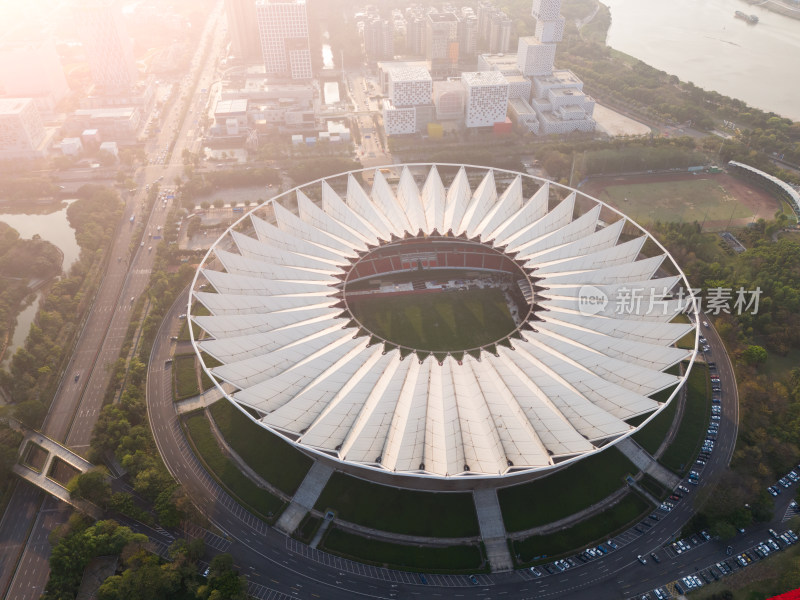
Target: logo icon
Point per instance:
(591, 300)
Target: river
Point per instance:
(54, 228)
(701, 41)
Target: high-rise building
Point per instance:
(467, 35)
(558, 98)
(485, 11)
(32, 69)
(486, 98)
(243, 29)
(441, 47)
(283, 30)
(499, 33)
(415, 36)
(21, 129)
(108, 48)
(378, 38)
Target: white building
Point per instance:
(399, 120)
(486, 98)
(505, 63)
(283, 31)
(535, 57)
(518, 86)
(523, 115)
(558, 99)
(409, 107)
(108, 47)
(32, 69)
(410, 86)
(22, 133)
(71, 146)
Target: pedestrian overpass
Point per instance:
(40, 476)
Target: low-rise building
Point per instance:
(523, 115)
(449, 98)
(113, 124)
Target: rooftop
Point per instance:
(484, 78)
(291, 351)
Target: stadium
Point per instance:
(428, 323)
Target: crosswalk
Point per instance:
(384, 574)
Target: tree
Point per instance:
(754, 355)
(92, 486)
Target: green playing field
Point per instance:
(438, 322)
(700, 199)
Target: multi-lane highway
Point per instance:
(28, 518)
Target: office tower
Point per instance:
(21, 129)
(108, 48)
(243, 29)
(283, 30)
(441, 47)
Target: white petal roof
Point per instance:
(562, 385)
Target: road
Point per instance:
(76, 405)
(359, 89)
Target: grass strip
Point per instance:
(185, 376)
(446, 514)
(227, 474)
(553, 497)
(268, 455)
(593, 530)
(449, 559)
(679, 456)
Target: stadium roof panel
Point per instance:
(560, 385)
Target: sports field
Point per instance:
(437, 321)
(718, 201)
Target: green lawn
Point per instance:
(651, 436)
(440, 560)
(554, 497)
(210, 362)
(445, 321)
(185, 376)
(256, 499)
(698, 199)
(593, 530)
(391, 509)
(680, 455)
(267, 454)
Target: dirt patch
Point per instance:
(759, 203)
